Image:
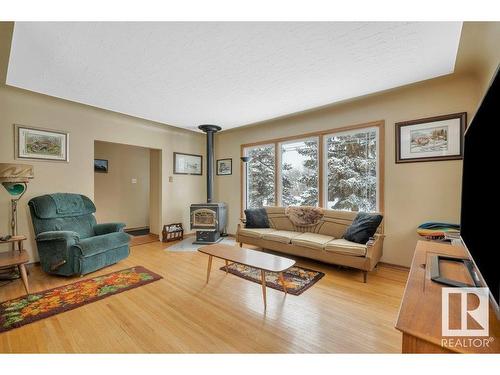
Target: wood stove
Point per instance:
(209, 219)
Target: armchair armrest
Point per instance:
(55, 249)
(100, 229)
(68, 236)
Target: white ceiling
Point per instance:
(230, 74)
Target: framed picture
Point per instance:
(188, 164)
(100, 165)
(224, 167)
(41, 144)
(431, 139)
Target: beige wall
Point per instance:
(414, 192)
(479, 51)
(116, 197)
(86, 125)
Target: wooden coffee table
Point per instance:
(252, 258)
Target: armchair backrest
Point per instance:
(63, 212)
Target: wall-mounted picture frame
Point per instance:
(189, 164)
(41, 144)
(100, 165)
(224, 167)
(431, 139)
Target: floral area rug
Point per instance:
(297, 279)
(27, 309)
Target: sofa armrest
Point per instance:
(374, 249)
(68, 236)
(100, 229)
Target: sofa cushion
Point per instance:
(284, 236)
(256, 218)
(312, 240)
(363, 227)
(255, 232)
(343, 246)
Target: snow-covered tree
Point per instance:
(261, 170)
(352, 171)
(309, 178)
(288, 176)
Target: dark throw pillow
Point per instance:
(363, 227)
(256, 218)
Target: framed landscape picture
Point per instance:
(431, 139)
(224, 167)
(41, 144)
(100, 165)
(188, 164)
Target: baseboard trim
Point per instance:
(138, 228)
(391, 265)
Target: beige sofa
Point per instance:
(322, 242)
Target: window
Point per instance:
(338, 169)
(352, 170)
(260, 181)
(299, 173)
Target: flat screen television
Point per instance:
(481, 191)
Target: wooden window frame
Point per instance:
(321, 144)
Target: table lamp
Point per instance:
(14, 178)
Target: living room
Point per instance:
(285, 183)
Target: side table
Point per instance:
(16, 258)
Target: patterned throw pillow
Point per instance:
(363, 227)
(256, 218)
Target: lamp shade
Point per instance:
(14, 188)
(245, 159)
(10, 172)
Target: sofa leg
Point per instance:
(365, 276)
(241, 244)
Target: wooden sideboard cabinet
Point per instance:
(419, 317)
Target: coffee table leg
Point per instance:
(209, 267)
(24, 277)
(282, 280)
(227, 266)
(263, 277)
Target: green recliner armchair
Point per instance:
(69, 240)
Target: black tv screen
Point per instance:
(481, 191)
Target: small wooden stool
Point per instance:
(16, 257)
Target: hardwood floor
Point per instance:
(180, 313)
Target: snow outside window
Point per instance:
(352, 168)
(260, 176)
(299, 173)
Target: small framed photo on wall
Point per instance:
(431, 139)
(100, 166)
(224, 167)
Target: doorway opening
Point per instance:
(127, 188)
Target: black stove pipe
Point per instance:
(210, 130)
